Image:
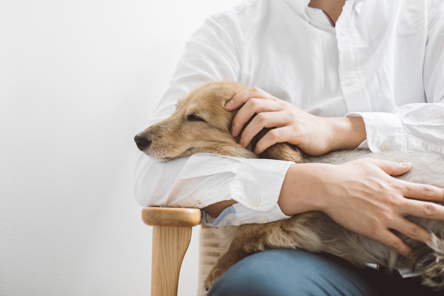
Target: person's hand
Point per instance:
(362, 197)
(312, 134)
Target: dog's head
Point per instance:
(200, 124)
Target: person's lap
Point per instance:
(288, 272)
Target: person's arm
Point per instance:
(203, 180)
(412, 127)
(312, 134)
(362, 196)
(416, 127)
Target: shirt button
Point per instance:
(263, 219)
(343, 32)
(304, 18)
(351, 82)
(255, 201)
(385, 147)
(358, 6)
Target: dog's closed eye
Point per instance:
(194, 117)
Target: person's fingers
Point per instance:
(423, 209)
(392, 168)
(392, 241)
(276, 135)
(251, 107)
(422, 191)
(242, 97)
(412, 230)
(260, 121)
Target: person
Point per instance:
(327, 75)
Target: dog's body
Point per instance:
(202, 124)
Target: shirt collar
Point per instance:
(299, 5)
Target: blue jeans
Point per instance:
(285, 272)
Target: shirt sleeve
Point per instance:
(212, 53)
(415, 127)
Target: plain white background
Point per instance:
(78, 79)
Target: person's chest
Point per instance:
(371, 61)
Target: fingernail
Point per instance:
(406, 164)
(229, 104)
(233, 131)
(241, 142)
(428, 191)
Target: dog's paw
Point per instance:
(212, 277)
(434, 275)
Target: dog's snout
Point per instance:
(142, 142)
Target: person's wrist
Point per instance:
(298, 193)
(347, 132)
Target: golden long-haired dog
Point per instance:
(202, 124)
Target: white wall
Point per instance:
(78, 79)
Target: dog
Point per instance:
(201, 124)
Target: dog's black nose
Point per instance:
(141, 142)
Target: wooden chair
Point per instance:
(171, 238)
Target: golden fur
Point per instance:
(202, 124)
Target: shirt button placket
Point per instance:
(354, 93)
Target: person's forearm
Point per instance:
(297, 191)
(404, 128)
(347, 132)
(296, 194)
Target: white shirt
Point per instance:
(384, 61)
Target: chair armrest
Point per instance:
(178, 217)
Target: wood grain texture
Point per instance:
(169, 247)
(178, 217)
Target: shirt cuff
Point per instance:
(385, 131)
(256, 188)
(239, 214)
(210, 221)
(258, 183)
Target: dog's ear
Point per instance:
(234, 112)
(281, 151)
(284, 151)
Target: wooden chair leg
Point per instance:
(169, 247)
(171, 238)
